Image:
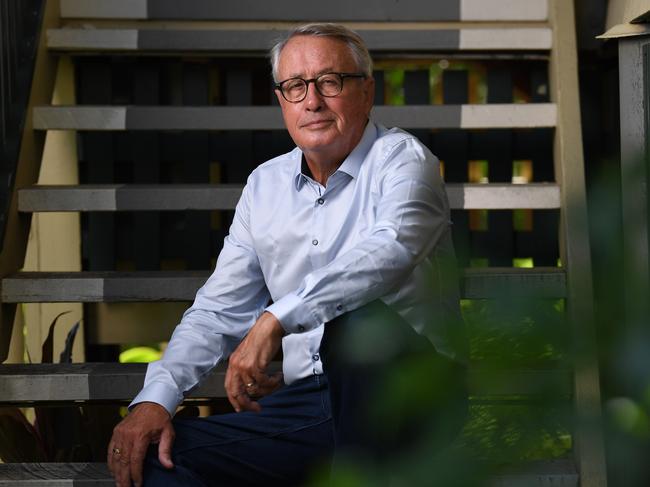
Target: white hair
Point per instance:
(357, 47)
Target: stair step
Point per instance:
(258, 41)
(296, 10)
(92, 287)
(23, 384)
(176, 197)
(55, 475)
(543, 473)
(118, 118)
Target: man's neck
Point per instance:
(320, 171)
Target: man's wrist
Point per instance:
(276, 329)
(292, 314)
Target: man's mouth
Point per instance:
(315, 124)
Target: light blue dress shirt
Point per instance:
(379, 229)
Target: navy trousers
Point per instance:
(281, 445)
(302, 425)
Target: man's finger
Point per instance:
(109, 457)
(244, 402)
(137, 459)
(270, 384)
(233, 388)
(165, 448)
(122, 469)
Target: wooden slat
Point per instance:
(93, 287)
(503, 196)
(258, 41)
(25, 383)
(173, 197)
(89, 287)
(22, 383)
(296, 10)
(116, 118)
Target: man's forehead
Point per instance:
(314, 55)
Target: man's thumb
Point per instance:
(165, 448)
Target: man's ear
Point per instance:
(369, 91)
(279, 96)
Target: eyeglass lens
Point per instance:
(329, 84)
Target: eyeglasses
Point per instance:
(294, 90)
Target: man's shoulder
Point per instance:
(279, 167)
(390, 141)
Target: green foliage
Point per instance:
(140, 355)
(500, 431)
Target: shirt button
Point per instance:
(314, 242)
(315, 357)
(321, 201)
(339, 308)
(301, 328)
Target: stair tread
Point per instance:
(541, 473)
(28, 383)
(516, 38)
(176, 197)
(296, 10)
(29, 287)
(119, 118)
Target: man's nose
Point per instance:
(313, 100)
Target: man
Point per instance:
(355, 213)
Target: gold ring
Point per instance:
(117, 451)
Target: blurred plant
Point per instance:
(59, 433)
(520, 408)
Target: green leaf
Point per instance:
(48, 344)
(66, 354)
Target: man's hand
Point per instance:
(147, 423)
(246, 377)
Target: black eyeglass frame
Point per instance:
(342, 76)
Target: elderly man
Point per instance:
(347, 232)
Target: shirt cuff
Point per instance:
(293, 315)
(160, 393)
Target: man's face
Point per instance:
(325, 129)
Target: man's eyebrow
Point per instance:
(319, 73)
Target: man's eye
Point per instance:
(293, 85)
(328, 81)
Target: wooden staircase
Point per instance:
(503, 32)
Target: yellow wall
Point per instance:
(55, 238)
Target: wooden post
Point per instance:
(634, 175)
(574, 245)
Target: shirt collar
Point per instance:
(351, 164)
